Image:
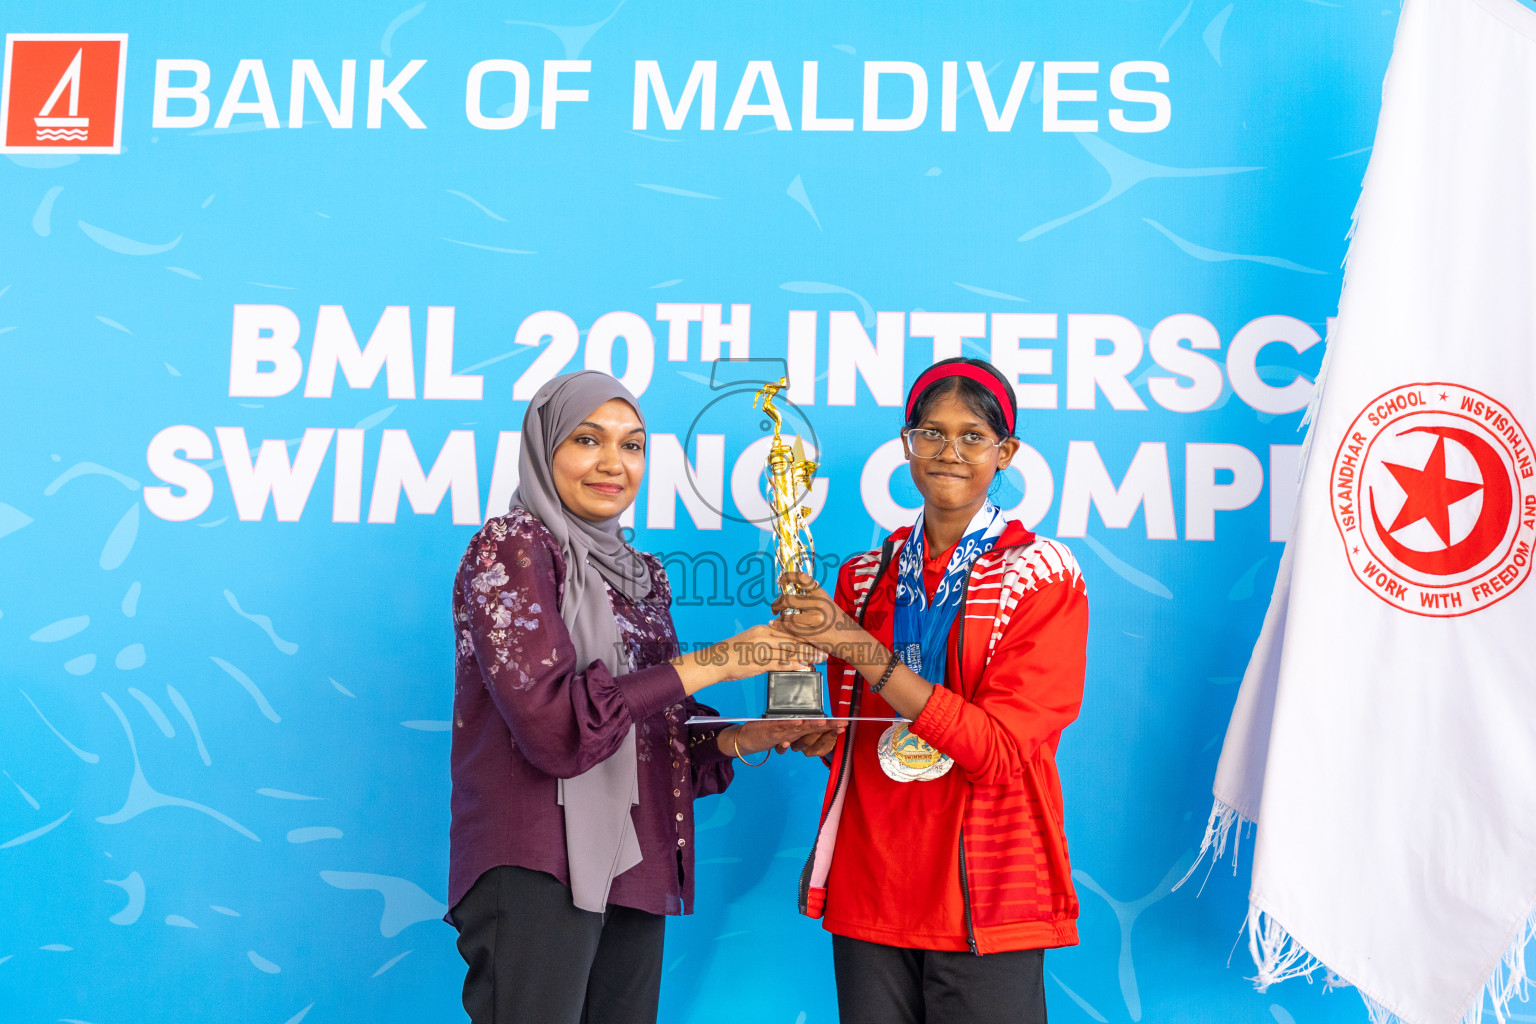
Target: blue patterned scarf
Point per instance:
(921, 629)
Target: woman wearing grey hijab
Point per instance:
(574, 768)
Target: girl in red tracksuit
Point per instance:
(940, 867)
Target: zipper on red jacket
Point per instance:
(965, 896)
(842, 769)
(965, 889)
(842, 764)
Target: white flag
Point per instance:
(1384, 739)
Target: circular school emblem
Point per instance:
(1434, 494)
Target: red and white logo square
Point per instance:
(63, 93)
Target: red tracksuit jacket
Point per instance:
(1014, 681)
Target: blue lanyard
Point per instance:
(921, 627)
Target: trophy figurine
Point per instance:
(790, 694)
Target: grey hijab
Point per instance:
(600, 839)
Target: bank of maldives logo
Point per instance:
(62, 93)
(1434, 495)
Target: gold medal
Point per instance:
(905, 757)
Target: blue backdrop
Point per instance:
(225, 740)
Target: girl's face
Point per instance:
(947, 482)
(599, 466)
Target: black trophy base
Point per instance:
(795, 695)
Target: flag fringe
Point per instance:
(1279, 958)
(1218, 829)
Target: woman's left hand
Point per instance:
(808, 612)
(778, 733)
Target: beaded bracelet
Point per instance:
(886, 677)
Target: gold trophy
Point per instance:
(790, 474)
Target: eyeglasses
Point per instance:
(930, 444)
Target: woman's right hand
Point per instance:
(819, 744)
(751, 652)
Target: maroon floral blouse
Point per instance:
(525, 714)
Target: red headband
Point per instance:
(937, 373)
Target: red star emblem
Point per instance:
(1430, 493)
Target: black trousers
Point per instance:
(888, 985)
(534, 958)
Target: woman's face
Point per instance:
(946, 482)
(599, 466)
